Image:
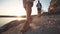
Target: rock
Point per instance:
(54, 6)
(11, 25)
(43, 25)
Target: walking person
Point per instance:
(39, 7)
(27, 4)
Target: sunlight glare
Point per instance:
(20, 19)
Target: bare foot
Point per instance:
(39, 15)
(25, 27)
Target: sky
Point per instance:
(15, 7)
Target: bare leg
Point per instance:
(39, 13)
(28, 11)
(29, 14)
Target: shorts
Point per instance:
(38, 9)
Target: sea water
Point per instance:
(4, 21)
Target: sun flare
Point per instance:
(20, 19)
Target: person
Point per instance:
(39, 6)
(27, 4)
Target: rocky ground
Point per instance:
(46, 24)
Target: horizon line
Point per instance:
(24, 16)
